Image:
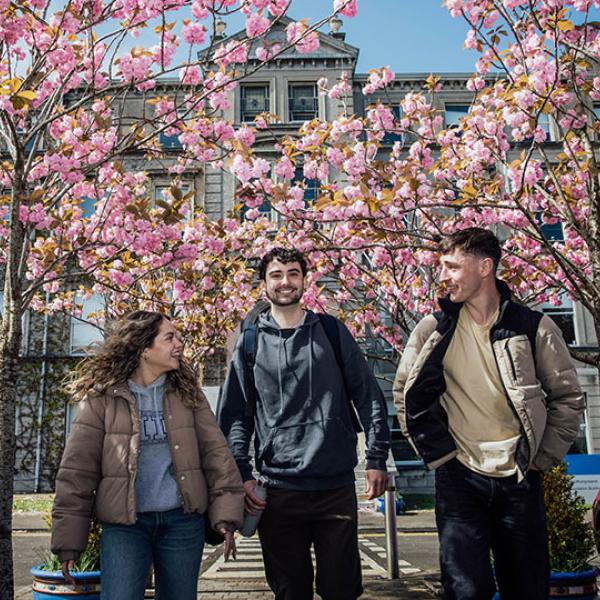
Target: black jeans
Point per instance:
(292, 522)
(476, 514)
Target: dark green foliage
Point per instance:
(570, 537)
(90, 557)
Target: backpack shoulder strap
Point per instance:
(333, 335)
(332, 331)
(249, 346)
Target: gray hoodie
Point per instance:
(155, 486)
(304, 435)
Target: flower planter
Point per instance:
(399, 505)
(50, 585)
(580, 586)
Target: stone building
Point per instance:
(287, 88)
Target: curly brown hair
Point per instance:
(118, 356)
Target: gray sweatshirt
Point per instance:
(304, 436)
(155, 486)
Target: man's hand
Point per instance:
(377, 481)
(230, 549)
(66, 567)
(252, 503)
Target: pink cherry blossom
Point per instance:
(348, 8)
(256, 25)
(193, 33)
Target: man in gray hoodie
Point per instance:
(304, 438)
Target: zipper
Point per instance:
(512, 362)
(510, 401)
(135, 420)
(514, 372)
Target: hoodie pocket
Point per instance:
(315, 449)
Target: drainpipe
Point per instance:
(42, 396)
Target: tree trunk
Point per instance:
(10, 344)
(9, 358)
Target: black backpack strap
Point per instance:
(332, 331)
(249, 345)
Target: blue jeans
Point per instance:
(476, 514)
(172, 540)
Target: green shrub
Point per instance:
(570, 537)
(90, 557)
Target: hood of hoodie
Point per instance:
(150, 397)
(290, 349)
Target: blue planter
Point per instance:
(399, 505)
(580, 586)
(50, 585)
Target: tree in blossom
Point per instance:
(83, 109)
(523, 158)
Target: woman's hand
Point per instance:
(66, 567)
(230, 550)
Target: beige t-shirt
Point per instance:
(480, 418)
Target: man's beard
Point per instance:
(288, 300)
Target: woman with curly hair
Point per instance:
(146, 455)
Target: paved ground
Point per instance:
(243, 579)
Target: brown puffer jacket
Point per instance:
(98, 467)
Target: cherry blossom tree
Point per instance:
(88, 88)
(523, 159)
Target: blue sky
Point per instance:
(408, 35)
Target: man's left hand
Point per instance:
(377, 481)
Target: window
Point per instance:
(29, 145)
(303, 102)
(580, 445)
(311, 186)
(254, 100)
(390, 138)
(171, 142)
(264, 209)
(454, 112)
(553, 231)
(563, 316)
(162, 191)
(84, 333)
(544, 123)
(595, 124)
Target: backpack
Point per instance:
(250, 345)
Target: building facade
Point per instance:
(287, 87)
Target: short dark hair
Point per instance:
(283, 255)
(477, 241)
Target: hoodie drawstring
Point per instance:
(310, 364)
(279, 376)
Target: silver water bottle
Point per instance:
(251, 521)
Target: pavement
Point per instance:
(233, 581)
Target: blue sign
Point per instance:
(585, 469)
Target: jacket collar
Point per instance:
(122, 390)
(453, 308)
